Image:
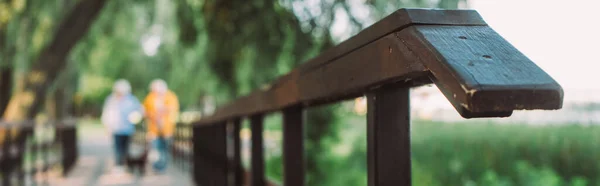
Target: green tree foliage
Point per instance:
(49, 54)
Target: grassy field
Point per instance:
(472, 154)
(503, 154)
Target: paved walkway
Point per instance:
(96, 160)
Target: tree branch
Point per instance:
(52, 60)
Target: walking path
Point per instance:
(96, 160)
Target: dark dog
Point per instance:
(137, 158)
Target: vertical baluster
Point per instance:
(258, 159)
(219, 152)
(197, 169)
(188, 143)
(60, 130)
(179, 144)
(179, 147)
(191, 143)
(176, 146)
(45, 153)
(293, 147)
(6, 157)
(173, 146)
(210, 155)
(20, 156)
(34, 149)
(238, 174)
(388, 137)
(71, 148)
(185, 145)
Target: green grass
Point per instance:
(461, 154)
(475, 154)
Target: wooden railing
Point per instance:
(479, 72)
(181, 146)
(29, 151)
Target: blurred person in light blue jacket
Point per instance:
(120, 112)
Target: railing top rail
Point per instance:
(479, 72)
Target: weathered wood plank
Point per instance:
(416, 46)
(480, 72)
(285, 91)
(396, 21)
(388, 136)
(386, 60)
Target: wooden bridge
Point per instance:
(479, 72)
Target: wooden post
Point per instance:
(258, 159)
(388, 137)
(198, 169)
(219, 151)
(5, 157)
(236, 162)
(210, 155)
(293, 147)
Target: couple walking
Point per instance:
(122, 110)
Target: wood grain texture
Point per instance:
(396, 21)
(286, 91)
(385, 60)
(480, 73)
(388, 136)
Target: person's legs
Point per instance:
(126, 141)
(165, 151)
(161, 145)
(119, 150)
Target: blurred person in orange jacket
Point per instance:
(162, 107)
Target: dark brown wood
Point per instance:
(258, 159)
(293, 147)
(67, 134)
(219, 149)
(388, 136)
(238, 172)
(198, 169)
(396, 21)
(481, 73)
(453, 48)
(383, 61)
(6, 164)
(210, 155)
(285, 91)
(6, 85)
(248, 175)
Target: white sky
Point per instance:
(561, 36)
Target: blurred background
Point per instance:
(212, 51)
